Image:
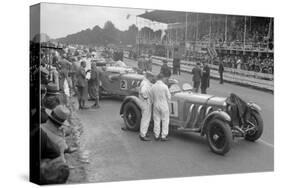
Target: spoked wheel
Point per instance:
(132, 116)
(255, 123)
(219, 136)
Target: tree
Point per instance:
(108, 25)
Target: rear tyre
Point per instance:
(255, 119)
(219, 136)
(132, 116)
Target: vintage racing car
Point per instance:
(121, 80)
(116, 78)
(219, 118)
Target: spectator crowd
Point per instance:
(62, 77)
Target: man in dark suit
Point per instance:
(196, 71)
(165, 70)
(205, 79)
(221, 69)
(176, 62)
(82, 85)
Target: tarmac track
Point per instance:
(117, 155)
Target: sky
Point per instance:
(59, 20)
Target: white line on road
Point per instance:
(266, 143)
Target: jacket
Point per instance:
(165, 70)
(205, 79)
(196, 71)
(81, 77)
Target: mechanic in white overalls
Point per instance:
(146, 104)
(161, 97)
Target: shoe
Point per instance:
(144, 138)
(156, 138)
(95, 106)
(164, 139)
(124, 129)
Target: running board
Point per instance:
(188, 129)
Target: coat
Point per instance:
(196, 71)
(221, 68)
(95, 75)
(165, 70)
(81, 77)
(205, 79)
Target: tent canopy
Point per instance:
(166, 17)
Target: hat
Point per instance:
(59, 114)
(52, 89)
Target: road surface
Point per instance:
(117, 155)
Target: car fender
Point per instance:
(133, 99)
(254, 106)
(215, 114)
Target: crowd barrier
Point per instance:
(249, 78)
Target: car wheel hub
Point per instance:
(215, 137)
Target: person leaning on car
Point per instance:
(146, 100)
(196, 71)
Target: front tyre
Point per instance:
(219, 136)
(132, 116)
(256, 122)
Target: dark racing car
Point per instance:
(121, 80)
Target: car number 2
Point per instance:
(123, 84)
(173, 106)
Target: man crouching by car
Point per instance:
(146, 100)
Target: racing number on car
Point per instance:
(123, 84)
(136, 83)
(173, 106)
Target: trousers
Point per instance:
(221, 77)
(146, 117)
(161, 115)
(196, 86)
